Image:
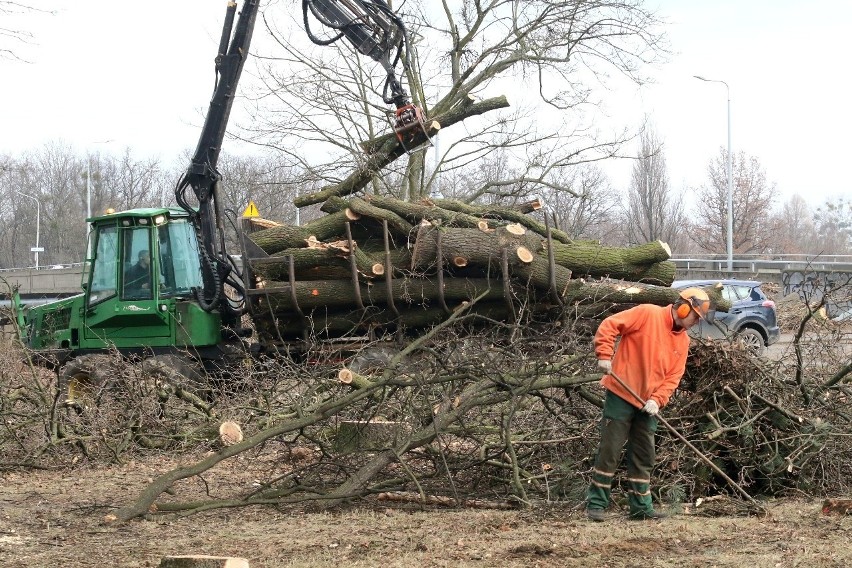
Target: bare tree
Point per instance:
(14, 36)
(653, 211)
(133, 181)
(834, 226)
(753, 198)
(317, 105)
(591, 211)
(796, 232)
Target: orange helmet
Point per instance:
(697, 300)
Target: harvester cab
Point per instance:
(143, 276)
(138, 291)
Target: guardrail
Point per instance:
(842, 263)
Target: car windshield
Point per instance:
(731, 291)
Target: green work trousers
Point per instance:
(622, 422)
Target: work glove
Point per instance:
(605, 365)
(651, 407)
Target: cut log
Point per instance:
(375, 435)
(475, 247)
(203, 561)
(506, 214)
(366, 209)
(276, 239)
(416, 212)
(258, 223)
(351, 215)
(524, 255)
(355, 380)
(405, 291)
(514, 213)
(230, 433)
(317, 255)
(837, 507)
(641, 263)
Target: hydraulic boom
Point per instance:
(372, 28)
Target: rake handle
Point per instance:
(689, 444)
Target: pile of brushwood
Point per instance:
(376, 263)
(464, 414)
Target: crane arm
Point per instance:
(369, 25)
(372, 28)
(202, 177)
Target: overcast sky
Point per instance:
(140, 74)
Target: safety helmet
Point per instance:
(697, 300)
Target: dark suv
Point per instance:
(752, 315)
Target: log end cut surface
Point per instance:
(203, 561)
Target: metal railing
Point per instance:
(44, 268)
(756, 263)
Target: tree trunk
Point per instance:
(642, 263)
(387, 148)
(276, 239)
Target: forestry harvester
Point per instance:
(162, 287)
(160, 282)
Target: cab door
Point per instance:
(121, 303)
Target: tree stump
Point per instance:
(203, 561)
(375, 435)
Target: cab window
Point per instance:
(103, 284)
(137, 264)
(179, 259)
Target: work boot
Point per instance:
(648, 515)
(597, 515)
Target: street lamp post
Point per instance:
(89, 194)
(89, 187)
(730, 177)
(89, 179)
(37, 248)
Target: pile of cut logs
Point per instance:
(378, 263)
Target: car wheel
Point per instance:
(751, 340)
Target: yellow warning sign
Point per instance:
(251, 210)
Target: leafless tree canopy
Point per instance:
(834, 225)
(654, 210)
(14, 37)
(57, 177)
(316, 105)
(753, 200)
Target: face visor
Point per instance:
(702, 308)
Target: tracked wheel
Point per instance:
(180, 376)
(82, 380)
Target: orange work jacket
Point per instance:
(650, 357)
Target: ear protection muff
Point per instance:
(683, 310)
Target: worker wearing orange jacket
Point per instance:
(650, 358)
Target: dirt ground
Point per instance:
(56, 518)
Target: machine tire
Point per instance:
(752, 340)
(175, 373)
(82, 380)
(175, 370)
